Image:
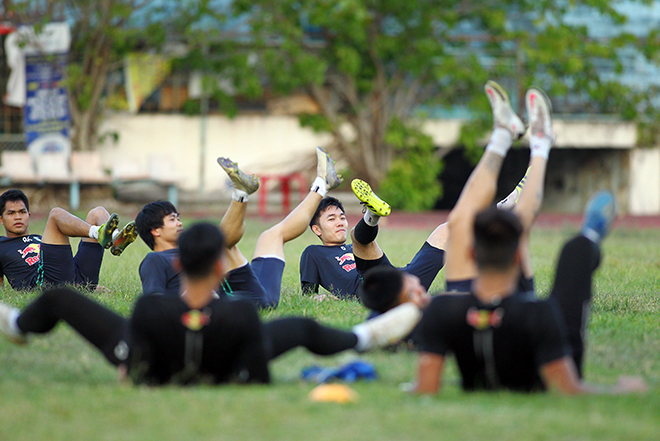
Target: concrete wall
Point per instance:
(581, 133)
(259, 144)
(644, 181)
(594, 154)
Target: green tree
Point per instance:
(101, 33)
(370, 65)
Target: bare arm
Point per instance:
(562, 375)
(429, 373)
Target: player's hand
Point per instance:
(631, 385)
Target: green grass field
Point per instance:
(59, 387)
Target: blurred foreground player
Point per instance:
(195, 337)
(504, 340)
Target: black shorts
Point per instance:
(60, 266)
(259, 282)
(426, 264)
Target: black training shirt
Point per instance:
(496, 346)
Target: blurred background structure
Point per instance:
(155, 91)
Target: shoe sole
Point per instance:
(521, 184)
(367, 196)
(496, 88)
(495, 94)
(325, 168)
(530, 105)
(108, 228)
(235, 174)
(126, 237)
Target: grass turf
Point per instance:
(59, 387)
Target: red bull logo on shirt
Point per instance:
(31, 253)
(348, 267)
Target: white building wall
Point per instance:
(168, 146)
(644, 183)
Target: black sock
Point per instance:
(364, 233)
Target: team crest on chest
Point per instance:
(481, 319)
(195, 320)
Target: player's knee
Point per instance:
(56, 213)
(271, 235)
(97, 216)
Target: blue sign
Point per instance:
(46, 117)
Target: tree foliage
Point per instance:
(370, 64)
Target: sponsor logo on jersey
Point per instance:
(195, 320)
(344, 257)
(482, 319)
(34, 249)
(348, 267)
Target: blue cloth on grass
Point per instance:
(349, 372)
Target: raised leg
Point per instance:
(61, 225)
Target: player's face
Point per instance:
(15, 218)
(332, 227)
(413, 291)
(171, 229)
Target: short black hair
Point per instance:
(496, 238)
(380, 289)
(151, 216)
(13, 195)
(326, 202)
(200, 246)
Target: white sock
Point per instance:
(500, 141)
(540, 146)
(94, 231)
(13, 316)
(591, 235)
(240, 195)
(319, 186)
(363, 337)
(371, 218)
(115, 234)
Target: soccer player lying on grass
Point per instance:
(500, 338)
(196, 337)
(338, 266)
(259, 281)
(30, 260)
